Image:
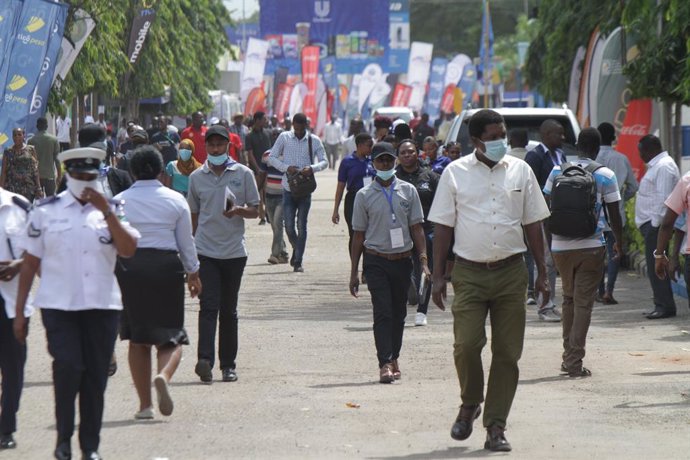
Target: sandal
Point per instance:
(584, 372)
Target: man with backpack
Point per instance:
(577, 193)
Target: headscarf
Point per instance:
(189, 166)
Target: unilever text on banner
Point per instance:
(24, 62)
(141, 23)
(436, 87)
(310, 72)
(253, 68)
(418, 72)
(39, 99)
(355, 32)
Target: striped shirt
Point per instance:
(657, 184)
(295, 152)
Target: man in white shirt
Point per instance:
(332, 138)
(63, 124)
(657, 184)
(486, 199)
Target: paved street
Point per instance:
(307, 350)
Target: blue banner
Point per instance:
(39, 102)
(356, 32)
(9, 16)
(437, 80)
(26, 60)
(240, 35)
(486, 46)
(330, 77)
(399, 40)
(467, 82)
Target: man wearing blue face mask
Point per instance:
(387, 222)
(222, 194)
(490, 201)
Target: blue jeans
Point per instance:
(295, 212)
(612, 266)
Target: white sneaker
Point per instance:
(531, 301)
(549, 315)
(144, 414)
(420, 319)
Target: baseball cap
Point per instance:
(383, 148)
(217, 130)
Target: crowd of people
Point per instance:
(150, 211)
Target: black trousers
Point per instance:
(388, 282)
(81, 344)
(12, 360)
(349, 208)
(221, 279)
(661, 289)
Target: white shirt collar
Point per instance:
(657, 159)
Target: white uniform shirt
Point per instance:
(12, 235)
(488, 206)
(657, 184)
(163, 218)
(332, 133)
(77, 256)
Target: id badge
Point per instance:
(366, 180)
(397, 240)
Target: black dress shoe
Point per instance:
(462, 428)
(93, 455)
(656, 314)
(292, 259)
(63, 452)
(7, 442)
(229, 375)
(496, 440)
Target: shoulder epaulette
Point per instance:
(44, 201)
(22, 202)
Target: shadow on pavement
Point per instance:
(324, 386)
(657, 374)
(555, 378)
(636, 405)
(451, 452)
(38, 384)
(124, 423)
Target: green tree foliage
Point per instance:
(182, 48)
(456, 26)
(562, 27)
(505, 47)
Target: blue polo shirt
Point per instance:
(353, 170)
(440, 164)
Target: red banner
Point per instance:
(638, 120)
(401, 95)
(256, 101)
(282, 99)
(310, 73)
(448, 99)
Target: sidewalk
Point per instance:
(307, 349)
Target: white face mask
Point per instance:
(76, 187)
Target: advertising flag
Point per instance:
(282, 99)
(399, 39)
(418, 72)
(467, 83)
(448, 100)
(637, 124)
(253, 68)
(370, 78)
(72, 43)
(436, 87)
(141, 24)
(310, 73)
(330, 77)
(486, 45)
(256, 101)
(279, 78)
(575, 77)
(27, 61)
(401, 95)
(595, 41)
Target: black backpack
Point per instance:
(573, 201)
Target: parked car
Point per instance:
(404, 113)
(526, 118)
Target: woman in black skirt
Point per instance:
(152, 282)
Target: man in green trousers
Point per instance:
(490, 202)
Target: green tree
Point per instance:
(505, 48)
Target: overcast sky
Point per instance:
(235, 7)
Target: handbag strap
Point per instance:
(311, 154)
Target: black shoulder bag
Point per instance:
(302, 185)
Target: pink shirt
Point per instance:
(677, 201)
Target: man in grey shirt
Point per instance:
(627, 185)
(387, 223)
(47, 148)
(222, 193)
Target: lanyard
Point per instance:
(389, 198)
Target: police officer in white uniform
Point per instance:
(75, 238)
(13, 209)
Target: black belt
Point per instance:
(490, 265)
(396, 256)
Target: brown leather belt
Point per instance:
(396, 256)
(490, 265)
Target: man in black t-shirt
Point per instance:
(257, 141)
(165, 141)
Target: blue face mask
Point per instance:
(495, 150)
(218, 160)
(185, 154)
(385, 175)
